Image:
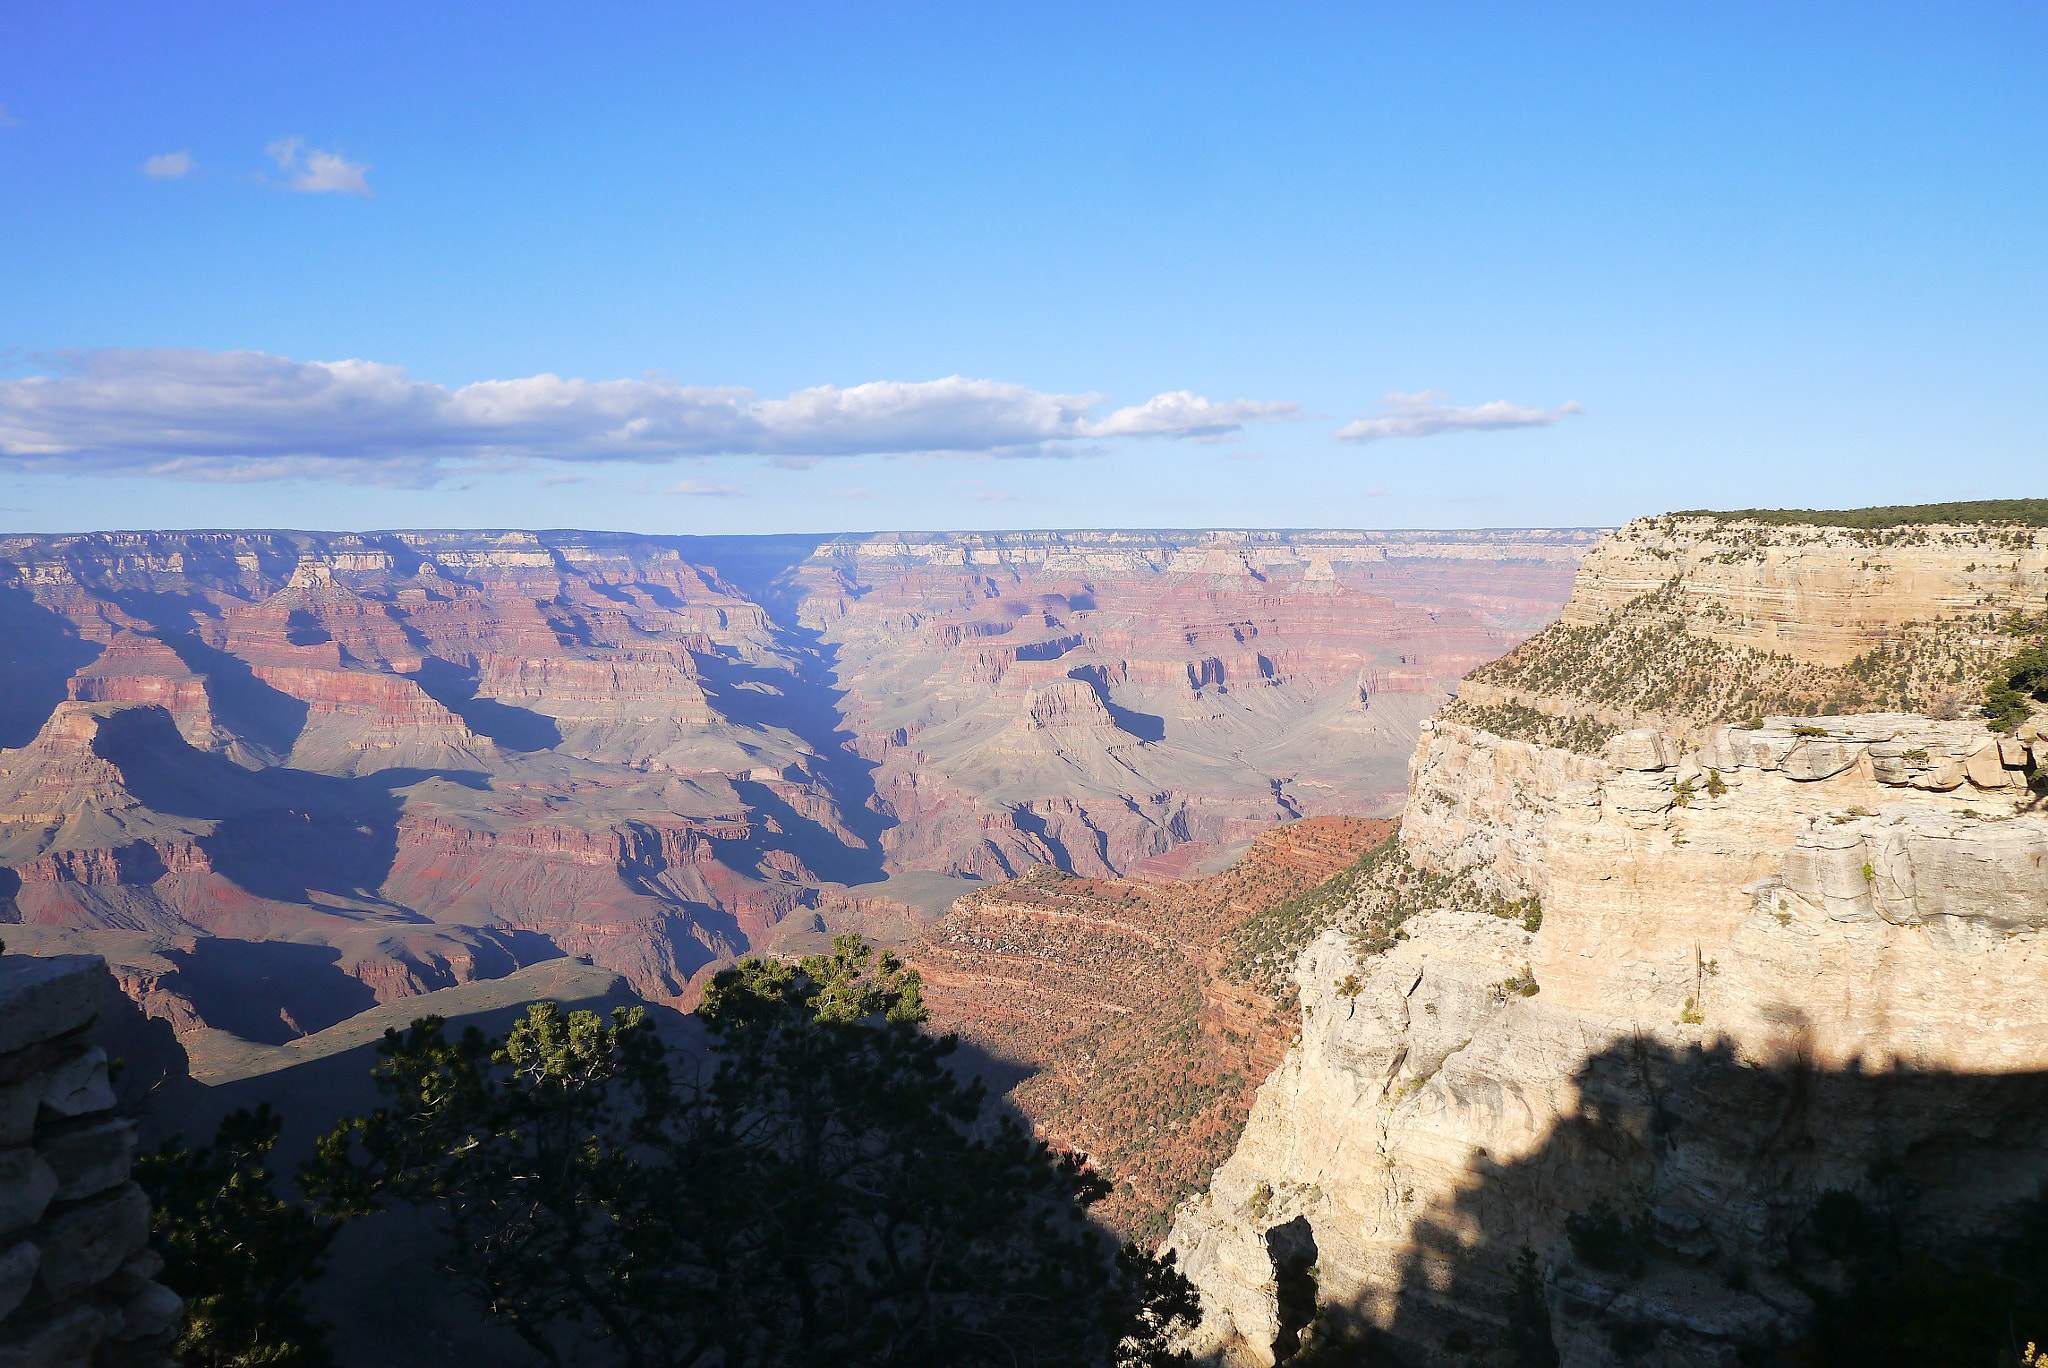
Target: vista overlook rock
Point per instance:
(280, 777)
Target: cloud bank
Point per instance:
(1427, 413)
(201, 415)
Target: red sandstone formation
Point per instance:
(352, 768)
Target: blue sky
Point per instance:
(1619, 260)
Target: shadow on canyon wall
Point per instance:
(512, 728)
(282, 834)
(809, 704)
(39, 651)
(1698, 1209)
(265, 720)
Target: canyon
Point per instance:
(1662, 977)
(280, 778)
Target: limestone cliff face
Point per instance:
(1772, 961)
(1677, 623)
(1821, 594)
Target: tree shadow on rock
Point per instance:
(1700, 1208)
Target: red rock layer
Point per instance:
(1109, 994)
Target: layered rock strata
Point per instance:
(1688, 621)
(1773, 961)
(280, 776)
(76, 1274)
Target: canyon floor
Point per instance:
(282, 779)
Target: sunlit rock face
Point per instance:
(361, 767)
(1776, 956)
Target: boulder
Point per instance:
(17, 1275)
(18, 1104)
(150, 1313)
(26, 1187)
(65, 1340)
(89, 1160)
(1947, 774)
(88, 1243)
(1819, 759)
(44, 997)
(80, 1087)
(1642, 749)
(134, 1275)
(1984, 768)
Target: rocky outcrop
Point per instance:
(1773, 962)
(76, 1274)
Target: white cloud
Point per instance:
(168, 165)
(707, 489)
(1426, 414)
(317, 172)
(1182, 414)
(246, 415)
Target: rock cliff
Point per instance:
(1759, 961)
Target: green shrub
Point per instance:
(2023, 677)
(1601, 1238)
(2025, 512)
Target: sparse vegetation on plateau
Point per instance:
(1519, 723)
(1653, 658)
(1645, 659)
(1370, 900)
(2023, 512)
